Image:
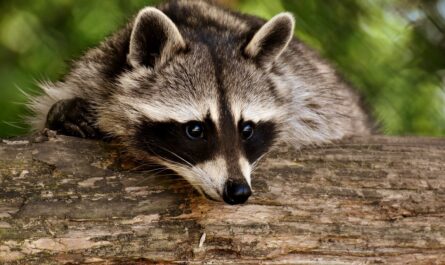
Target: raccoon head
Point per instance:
(199, 101)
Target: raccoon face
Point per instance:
(202, 105)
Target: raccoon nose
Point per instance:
(236, 192)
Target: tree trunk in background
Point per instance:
(379, 200)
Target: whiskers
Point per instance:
(189, 173)
(257, 162)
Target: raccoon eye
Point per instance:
(247, 130)
(194, 130)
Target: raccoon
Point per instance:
(203, 91)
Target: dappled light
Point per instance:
(393, 52)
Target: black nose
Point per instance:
(236, 192)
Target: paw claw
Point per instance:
(72, 117)
(73, 129)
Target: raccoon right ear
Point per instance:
(271, 39)
(154, 39)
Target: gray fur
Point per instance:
(264, 77)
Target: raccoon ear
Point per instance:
(271, 39)
(154, 39)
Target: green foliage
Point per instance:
(39, 38)
(391, 51)
(375, 47)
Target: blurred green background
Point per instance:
(392, 51)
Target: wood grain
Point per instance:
(378, 200)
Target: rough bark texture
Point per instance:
(378, 200)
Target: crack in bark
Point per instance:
(311, 206)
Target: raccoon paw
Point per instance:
(72, 117)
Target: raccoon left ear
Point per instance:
(271, 39)
(154, 39)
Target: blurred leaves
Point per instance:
(392, 51)
(384, 56)
(39, 38)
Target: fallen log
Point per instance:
(376, 200)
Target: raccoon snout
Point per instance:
(236, 192)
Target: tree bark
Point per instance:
(377, 200)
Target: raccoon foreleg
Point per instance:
(73, 117)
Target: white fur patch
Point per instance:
(41, 105)
(196, 177)
(260, 110)
(208, 177)
(213, 108)
(162, 111)
(179, 110)
(211, 176)
(245, 169)
(214, 175)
